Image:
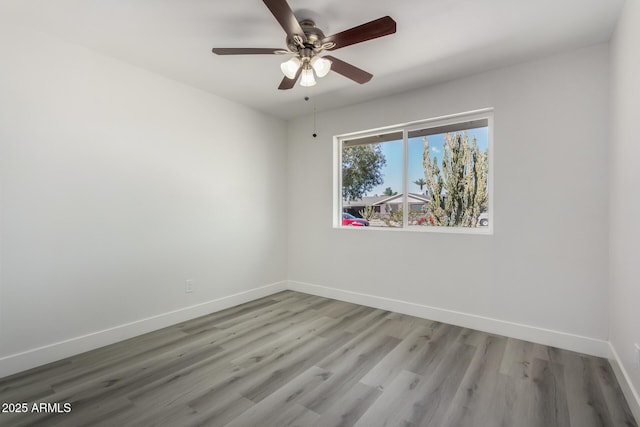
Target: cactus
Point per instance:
(458, 191)
(368, 212)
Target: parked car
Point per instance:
(348, 219)
(483, 219)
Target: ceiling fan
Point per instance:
(306, 41)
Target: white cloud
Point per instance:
(435, 149)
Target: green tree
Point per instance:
(458, 191)
(420, 182)
(389, 192)
(361, 170)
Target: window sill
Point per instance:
(483, 231)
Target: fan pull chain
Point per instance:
(306, 98)
(314, 117)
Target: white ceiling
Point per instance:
(436, 40)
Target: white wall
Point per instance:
(117, 185)
(545, 267)
(625, 193)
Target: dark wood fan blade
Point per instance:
(247, 51)
(350, 71)
(288, 83)
(371, 30)
(284, 15)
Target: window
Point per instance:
(432, 175)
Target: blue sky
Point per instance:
(392, 172)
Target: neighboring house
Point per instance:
(384, 204)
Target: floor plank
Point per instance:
(292, 359)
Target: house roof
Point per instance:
(397, 198)
(381, 200)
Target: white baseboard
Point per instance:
(623, 377)
(50, 353)
(548, 337)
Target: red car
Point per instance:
(348, 219)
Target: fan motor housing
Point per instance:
(314, 37)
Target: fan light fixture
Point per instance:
(320, 65)
(307, 79)
(290, 67)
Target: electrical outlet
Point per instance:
(188, 286)
(636, 355)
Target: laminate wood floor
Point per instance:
(293, 359)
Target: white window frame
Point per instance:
(406, 128)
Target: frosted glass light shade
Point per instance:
(307, 78)
(321, 66)
(290, 68)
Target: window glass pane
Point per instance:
(449, 171)
(372, 181)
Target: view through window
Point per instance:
(429, 175)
